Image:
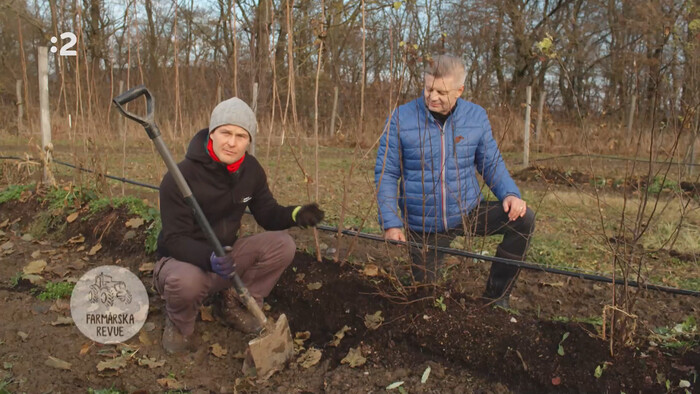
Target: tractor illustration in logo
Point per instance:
(105, 290)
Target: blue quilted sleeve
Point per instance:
(387, 173)
(490, 164)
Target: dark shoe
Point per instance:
(174, 342)
(502, 279)
(232, 313)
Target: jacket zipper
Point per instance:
(443, 189)
(443, 168)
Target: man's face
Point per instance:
(441, 94)
(230, 143)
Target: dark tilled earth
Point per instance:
(468, 346)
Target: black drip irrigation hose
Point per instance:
(516, 263)
(455, 252)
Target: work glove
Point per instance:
(223, 265)
(307, 215)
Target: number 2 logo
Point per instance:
(65, 49)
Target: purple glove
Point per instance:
(223, 265)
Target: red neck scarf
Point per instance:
(233, 167)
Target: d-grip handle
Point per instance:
(132, 94)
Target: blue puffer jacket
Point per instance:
(430, 171)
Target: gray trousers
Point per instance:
(260, 260)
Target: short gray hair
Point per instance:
(447, 65)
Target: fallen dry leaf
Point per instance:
(151, 362)
(60, 305)
(85, 348)
(147, 267)
(217, 350)
(22, 335)
(95, 249)
(144, 338)
(114, 364)
(71, 218)
(4, 223)
(58, 269)
(374, 321)
(62, 321)
(310, 358)
(34, 279)
(27, 237)
(57, 363)
(134, 223)
(302, 336)
(36, 254)
(76, 265)
(314, 286)
(339, 335)
(354, 358)
(300, 277)
(34, 267)
(170, 383)
(78, 239)
(129, 235)
(370, 270)
(205, 312)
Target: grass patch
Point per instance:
(14, 280)
(3, 386)
(682, 336)
(103, 391)
(13, 192)
(70, 197)
(56, 290)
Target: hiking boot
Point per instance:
(232, 313)
(174, 342)
(501, 280)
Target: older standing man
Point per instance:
(224, 179)
(426, 166)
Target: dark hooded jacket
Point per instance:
(223, 197)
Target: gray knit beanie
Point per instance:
(234, 111)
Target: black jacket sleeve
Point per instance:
(178, 220)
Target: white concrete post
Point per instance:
(46, 145)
